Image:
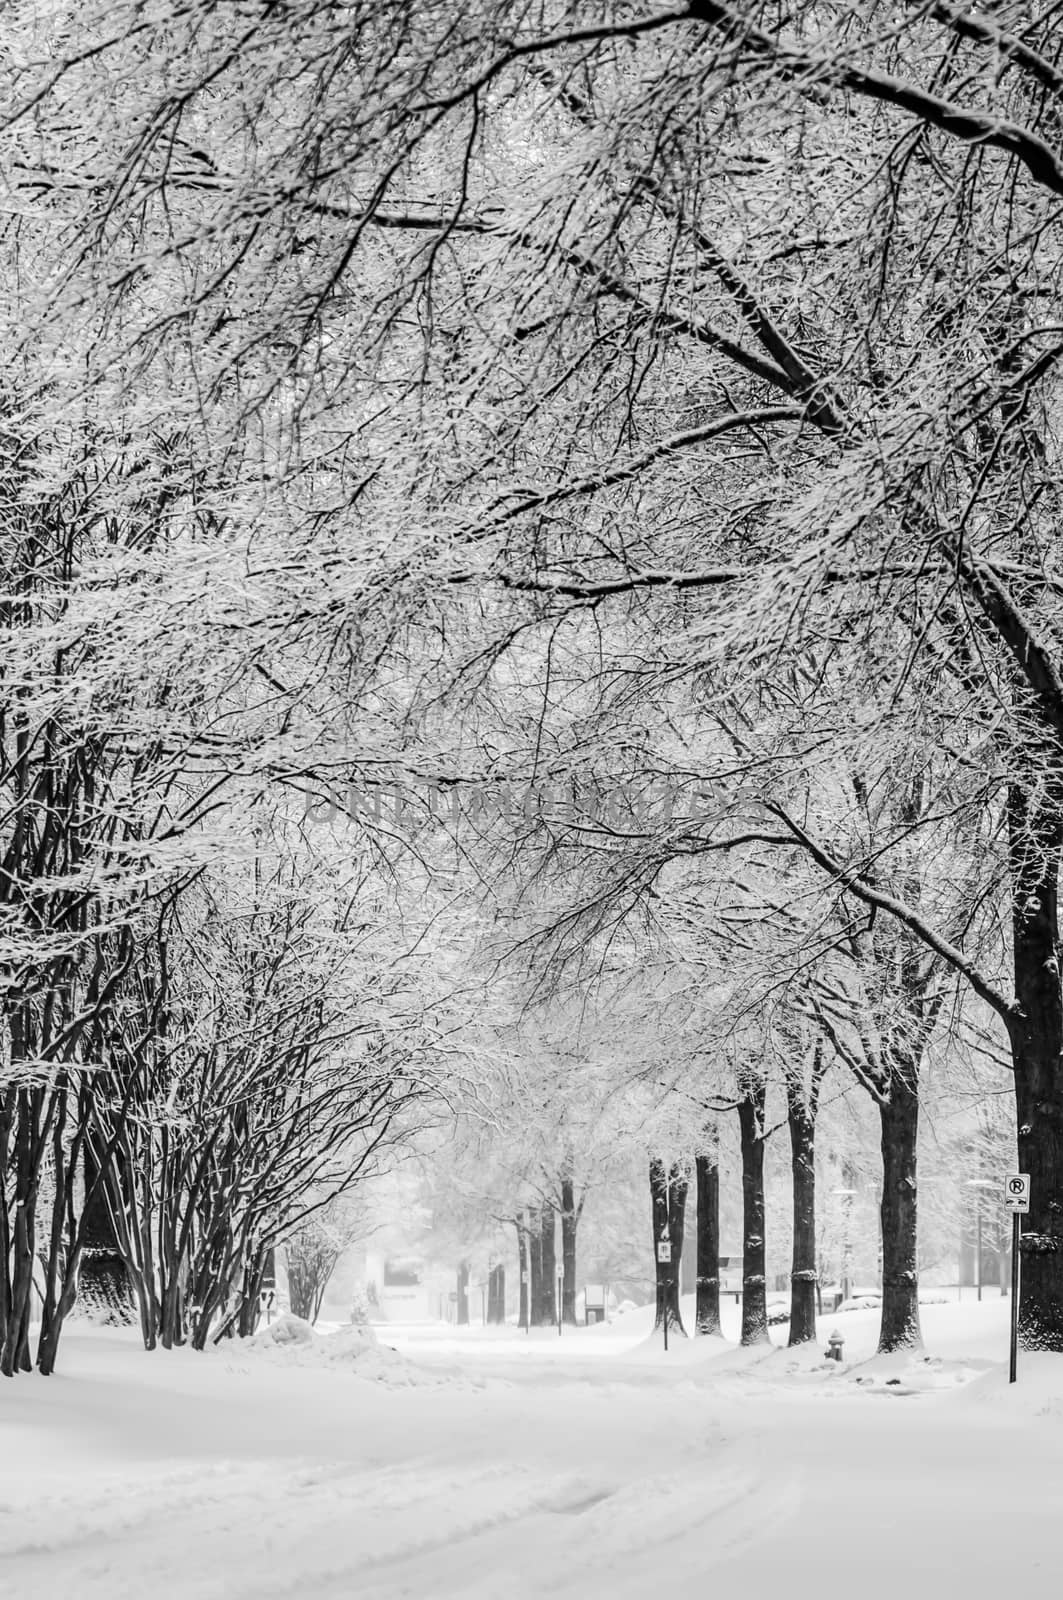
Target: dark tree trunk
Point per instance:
(496, 1295)
(172, 1329)
(7, 1122)
(258, 1276)
(668, 1192)
(64, 1248)
(899, 1117)
(801, 1105)
(535, 1268)
(570, 1215)
(751, 1125)
(522, 1265)
(548, 1257)
(1037, 1052)
(463, 1294)
(707, 1175)
(15, 1355)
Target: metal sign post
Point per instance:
(1017, 1201)
(560, 1301)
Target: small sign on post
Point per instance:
(1017, 1201)
(664, 1251)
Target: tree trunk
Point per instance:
(570, 1215)
(707, 1174)
(668, 1192)
(496, 1295)
(751, 1125)
(548, 1256)
(64, 1247)
(1037, 1052)
(7, 1122)
(463, 1294)
(535, 1269)
(522, 1265)
(15, 1355)
(899, 1117)
(801, 1117)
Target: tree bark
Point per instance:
(496, 1295)
(751, 1125)
(548, 1257)
(1036, 839)
(668, 1192)
(570, 1215)
(899, 1118)
(64, 1246)
(707, 1175)
(801, 1104)
(535, 1268)
(15, 1355)
(520, 1225)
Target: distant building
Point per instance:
(405, 1288)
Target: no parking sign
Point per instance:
(1017, 1201)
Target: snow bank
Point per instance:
(285, 1330)
(1036, 1396)
(354, 1347)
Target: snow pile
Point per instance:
(354, 1347)
(1037, 1394)
(285, 1330)
(912, 1373)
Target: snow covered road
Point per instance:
(494, 1469)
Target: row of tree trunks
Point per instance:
(802, 1105)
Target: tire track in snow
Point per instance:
(613, 1537)
(232, 1532)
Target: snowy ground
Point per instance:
(495, 1466)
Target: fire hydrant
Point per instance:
(835, 1346)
